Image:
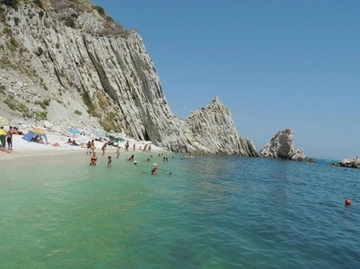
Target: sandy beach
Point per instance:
(23, 148)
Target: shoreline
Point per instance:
(25, 149)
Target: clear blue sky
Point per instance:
(274, 64)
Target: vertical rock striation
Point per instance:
(69, 63)
(213, 126)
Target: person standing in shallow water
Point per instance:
(93, 159)
(103, 149)
(109, 161)
(117, 151)
(88, 148)
(92, 146)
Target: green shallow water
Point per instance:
(209, 212)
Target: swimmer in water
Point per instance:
(93, 159)
(154, 171)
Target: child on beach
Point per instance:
(109, 161)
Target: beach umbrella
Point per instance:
(116, 139)
(74, 131)
(111, 137)
(2, 132)
(4, 121)
(38, 131)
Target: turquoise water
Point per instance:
(207, 212)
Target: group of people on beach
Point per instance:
(147, 148)
(72, 142)
(6, 138)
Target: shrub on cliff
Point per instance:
(10, 3)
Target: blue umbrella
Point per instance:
(74, 131)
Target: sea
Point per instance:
(208, 212)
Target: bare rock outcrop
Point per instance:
(213, 126)
(349, 162)
(68, 63)
(281, 146)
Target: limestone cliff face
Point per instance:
(213, 126)
(68, 63)
(281, 146)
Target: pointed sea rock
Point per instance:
(281, 146)
(214, 129)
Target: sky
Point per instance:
(275, 64)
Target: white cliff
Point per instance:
(68, 63)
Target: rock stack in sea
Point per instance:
(281, 146)
(349, 162)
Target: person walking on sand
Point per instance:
(109, 161)
(93, 159)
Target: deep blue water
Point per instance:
(207, 212)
